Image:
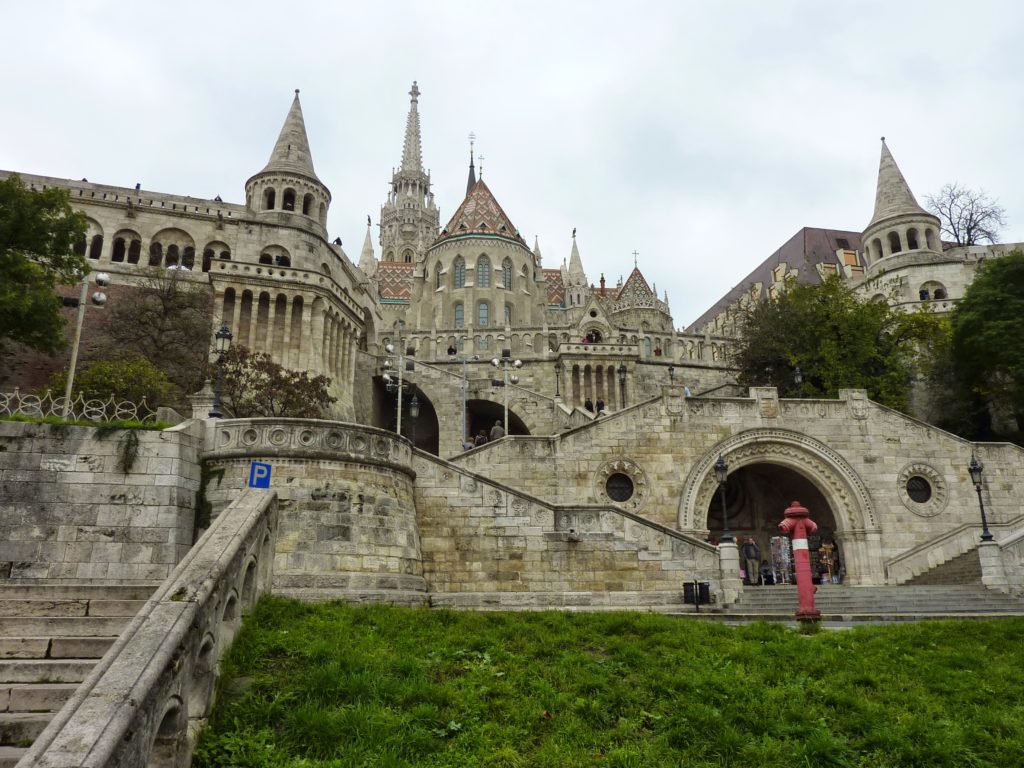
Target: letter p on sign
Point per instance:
(259, 475)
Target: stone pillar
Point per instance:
(729, 566)
(993, 574)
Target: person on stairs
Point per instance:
(752, 556)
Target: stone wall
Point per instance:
(70, 511)
(348, 522)
(486, 545)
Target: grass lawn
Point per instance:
(332, 685)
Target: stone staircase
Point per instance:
(51, 636)
(904, 602)
(962, 569)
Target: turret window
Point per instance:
(459, 273)
(894, 242)
(912, 239)
(307, 204)
(460, 320)
(506, 274)
(929, 236)
(288, 200)
(269, 199)
(483, 272)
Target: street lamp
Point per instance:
(404, 364)
(975, 469)
(798, 379)
(99, 299)
(671, 375)
(414, 413)
(621, 370)
(223, 344)
(505, 363)
(721, 474)
(558, 379)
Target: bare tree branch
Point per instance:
(967, 216)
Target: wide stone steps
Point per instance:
(51, 636)
(894, 602)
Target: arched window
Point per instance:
(172, 256)
(269, 199)
(437, 275)
(307, 203)
(80, 247)
(134, 251)
(282, 260)
(940, 293)
(506, 274)
(647, 345)
(188, 257)
(288, 200)
(929, 236)
(266, 258)
(323, 214)
(483, 272)
(508, 314)
(118, 254)
(226, 255)
(459, 273)
(912, 239)
(894, 242)
(876, 249)
(156, 254)
(96, 246)
(483, 314)
(460, 320)
(207, 259)
(407, 256)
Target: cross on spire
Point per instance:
(415, 91)
(635, 254)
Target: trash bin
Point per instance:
(697, 592)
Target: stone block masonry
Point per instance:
(69, 512)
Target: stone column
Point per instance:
(729, 566)
(993, 574)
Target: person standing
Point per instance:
(600, 407)
(752, 556)
(497, 431)
(481, 439)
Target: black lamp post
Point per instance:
(798, 379)
(721, 474)
(223, 337)
(621, 370)
(975, 469)
(414, 413)
(671, 375)
(558, 378)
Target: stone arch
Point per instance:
(843, 489)
(169, 736)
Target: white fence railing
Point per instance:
(80, 408)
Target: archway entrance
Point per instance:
(481, 415)
(422, 431)
(756, 497)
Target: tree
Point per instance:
(133, 378)
(254, 385)
(988, 328)
(836, 339)
(37, 233)
(168, 320)
(966, 216)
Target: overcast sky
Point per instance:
(700, 134)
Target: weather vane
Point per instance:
(481, 159)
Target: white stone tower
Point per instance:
(409, 220)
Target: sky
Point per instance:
(700, 135)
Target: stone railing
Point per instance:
(144, 703)
(17, 403)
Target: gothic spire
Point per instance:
(367, 261)
(893, 196)
(472, 171)
(576, 273)
(291, 152)
(412, 152)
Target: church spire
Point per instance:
(576, 273)
(892, 196)
(367, 261)
(472, 171)
(412, 152)
(291, 152)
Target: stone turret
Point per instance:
(575, 278)
(409, 219)
(287, 191)
(367, 261)
(899, 225)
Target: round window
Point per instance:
(919, 489)
(593, 313)
(619, 487)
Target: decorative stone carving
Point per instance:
(624, 466)
(939, 492)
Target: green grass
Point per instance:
(331, 685)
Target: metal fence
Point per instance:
(80, 408)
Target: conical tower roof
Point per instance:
(576, 273)
(412, 151)
(367, 261)
(291, 152)
(480, 216)
(893, 196)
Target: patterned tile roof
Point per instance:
(478, 215)
(394, 280)
(556, 290)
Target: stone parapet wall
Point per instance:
(486, 545)
(71, 511)
(348, 521)
(144, 703)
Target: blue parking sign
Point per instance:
(259, 475)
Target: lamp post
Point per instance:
(414, 414)
(721, 474)
(621, 370)
(975, 468)
(404, 364)
(798, 379)
(505, 363)
(99, 299)
(671, 375)
(223, 344)
(558, 379)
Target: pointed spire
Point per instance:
(893, 196)
(291, 152)
(576, 273)
(536, 250)
(412, 152)
(472, 171)
(367, 261)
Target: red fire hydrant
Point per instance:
(798, 526)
